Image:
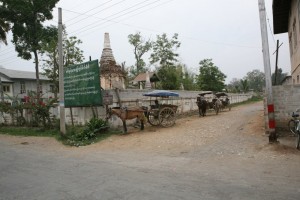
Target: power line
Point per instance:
(110, 20)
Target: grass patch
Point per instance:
(28, 131)
(74, 137)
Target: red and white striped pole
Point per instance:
(267, 67)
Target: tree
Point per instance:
(27, 27)
(164, 50)
(280, 77)
(164, 54)
(256, 80)
(185, 77)
(4, 28)
(244, 85)
(210, 77)
(71, 54)
(234, 85)
(140, 48)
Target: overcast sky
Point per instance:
(226, 31)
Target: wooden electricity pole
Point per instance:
(276, 62)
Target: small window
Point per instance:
(297, 78)
(23, 89)
(6, 88)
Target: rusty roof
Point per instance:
(142, 77)
(281, 11)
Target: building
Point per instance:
(111, 74)
(19, 83)
(140, 80)
(286, 19)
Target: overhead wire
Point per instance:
(107, 19)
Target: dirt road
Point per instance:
(216, 157)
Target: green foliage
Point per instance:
(279, 78)
(164, 50)
(210, 77)
(71, 53)
(4, 28)
(27, 20)
(244, 85)
(169, 79)
(140, 48)
(77, 136)
(234, 86)
(256, 80)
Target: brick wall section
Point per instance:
(286, 100)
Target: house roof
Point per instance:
(142, 77)
(17, 74)
(5, 79)
(281, 11)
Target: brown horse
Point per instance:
(128, 113)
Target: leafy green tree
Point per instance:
(256, 80)
(164, 50)
(71, 53)
(140, 48)
(169, 79)
(27, 18)
(234, 85)
(279, 78)
(185, 77)
(164, 54)
(244, 85)
(210, 77)
(4, 28)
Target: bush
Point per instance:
(80, 136)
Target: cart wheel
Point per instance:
(167, 117)
(153, 118)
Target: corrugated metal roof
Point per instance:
(281, 11)
(17, 74)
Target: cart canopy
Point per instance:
(220, 94)
(161, 93)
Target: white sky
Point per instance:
(226, 31)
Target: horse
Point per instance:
(125, 113)
(225, 103)
(202, 106)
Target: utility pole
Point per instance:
(61, 76)
(267, 67)
(276, 63)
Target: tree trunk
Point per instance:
(36, 59)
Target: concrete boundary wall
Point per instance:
(186, 102)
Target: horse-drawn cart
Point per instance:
(207, 100)
(224, 99)
(163, 114)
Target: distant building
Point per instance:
(16, 82)
(111, 74)
(286, 18)
(140, 80)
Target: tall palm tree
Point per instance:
(4, 28)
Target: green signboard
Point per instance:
(82, 85)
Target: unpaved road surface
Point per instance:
(216, 157)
